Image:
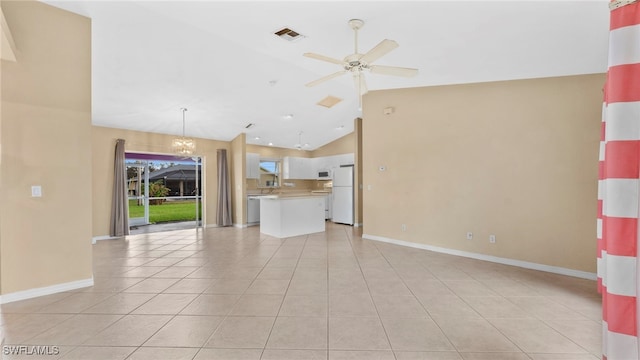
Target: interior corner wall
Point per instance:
(103, 142)
(274, 152)
(1, 166)
(238, 168)
(342, 145)
(517, 159)
(358, 191)
(45, 134)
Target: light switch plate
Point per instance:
(36, 191)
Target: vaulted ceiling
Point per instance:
(222, 61)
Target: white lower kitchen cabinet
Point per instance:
(327, 202)
(327, 207)
(253, 210)
(292, 216)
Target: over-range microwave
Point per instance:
(324, 174)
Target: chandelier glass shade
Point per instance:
(183, 145)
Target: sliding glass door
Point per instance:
(138, 192)
(164, 189)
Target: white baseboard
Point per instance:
(104, 237)
(47, 290)
(494, 259)
(217, 226)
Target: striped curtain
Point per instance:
(618, 194)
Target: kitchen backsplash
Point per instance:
(298, 186)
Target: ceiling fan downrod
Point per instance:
(356, 24)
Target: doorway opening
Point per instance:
(164, 192)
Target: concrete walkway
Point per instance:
(153, 228)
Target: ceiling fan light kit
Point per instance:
(357, 63)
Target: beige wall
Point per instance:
(45, 140)
(343, 145)
(517, 159)
(358, 191)
(276, 152)
(103, 145)
(238, 168)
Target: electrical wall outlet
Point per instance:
(492, 239)
(404, 227)
(469, 236)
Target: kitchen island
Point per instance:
(287, 216)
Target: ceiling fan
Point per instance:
(357, 63)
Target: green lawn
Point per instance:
(169, 211)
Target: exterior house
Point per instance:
(180, 179)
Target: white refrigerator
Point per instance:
(342, 193)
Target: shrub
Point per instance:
(157, 189)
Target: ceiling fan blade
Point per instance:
(325, 78)
(379, 51)
(360, 83)
(393, 70)
(323, 58)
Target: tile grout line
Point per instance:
(285, 292)
(350, 239)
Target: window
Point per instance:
(270, 172)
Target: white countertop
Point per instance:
(288, 196)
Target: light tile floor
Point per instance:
(228, 293)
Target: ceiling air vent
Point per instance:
(329, 101)
(288, 34)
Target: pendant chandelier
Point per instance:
(184, 145)
(299, 145)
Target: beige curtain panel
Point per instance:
(119, 204)
(223, 217)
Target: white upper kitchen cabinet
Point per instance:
(342, 159)
(332, 162)
(298, 168)
(253, 166)
(321, 163)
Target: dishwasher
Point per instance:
(253, 210)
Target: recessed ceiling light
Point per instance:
(257, 138)
(340, 127)
(288, 117)
(270, 144)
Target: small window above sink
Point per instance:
(270, 173)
